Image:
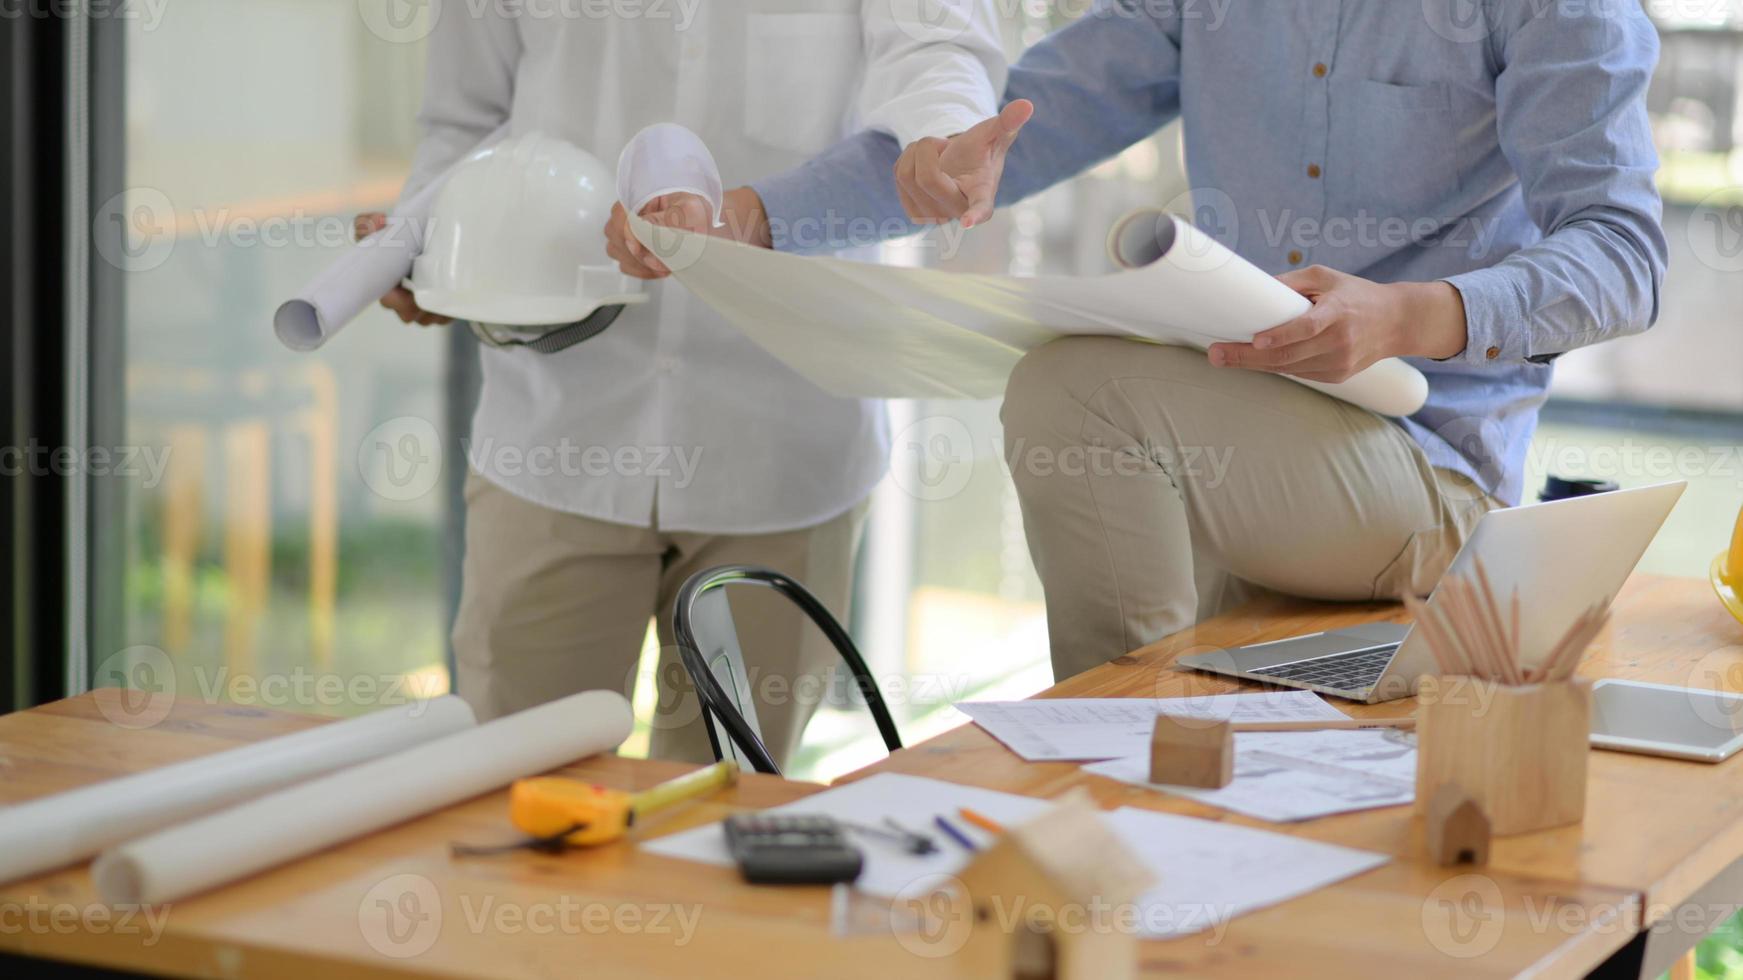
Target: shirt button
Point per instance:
(1492, 353)
(1294, 258)
(1319, 70)
(1313, 170)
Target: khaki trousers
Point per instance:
(553, 603)
(1157, 489)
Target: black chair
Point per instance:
(702, 627)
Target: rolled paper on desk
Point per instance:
(364, 271)
(296, 822)
(66, 828)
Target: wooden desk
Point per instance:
(1551, 905)
(1669, 832)
(312, 916)
(520, 915)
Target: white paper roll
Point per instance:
(66, 828)
(896, 332)
(365, 271)
(303, 819)
(666, 158)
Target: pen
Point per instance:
(911, 842)
(922, 844)
(985, 823)
(954, 834)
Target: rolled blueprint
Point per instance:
(663, 159)
(364, 271)
(871, 331)
(55, 831)
(344, 805)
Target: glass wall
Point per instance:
(282, 517)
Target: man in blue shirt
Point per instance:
(1467, 184)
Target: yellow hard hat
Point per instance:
(1727, 573)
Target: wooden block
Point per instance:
(1044, 898)
(1519, 752)
(1456, 828)
(1192, 752)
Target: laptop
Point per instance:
(1563, 556)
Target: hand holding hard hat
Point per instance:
(513, 245)
(398, 300)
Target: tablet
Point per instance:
(1661, 719)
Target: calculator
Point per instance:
(791, 849)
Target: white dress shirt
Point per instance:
(671, 416)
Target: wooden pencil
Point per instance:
(1553, 660)
(1444, 622)
(1441, 638)
(1450, 621)
(1436, 645)
(1592, 624)
(1565, 658)
(1579, 637)
(1518, 651)
(1492, 619)
(1447, 621)
(1467, 626)
(1347, 724)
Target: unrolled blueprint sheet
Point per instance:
(876, 331)
(1287, 776)
(1078, 729)
(1207, 872)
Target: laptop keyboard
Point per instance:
(1357, 670)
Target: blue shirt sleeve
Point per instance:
(817, 205)
(1099, 85)
(1571, 116)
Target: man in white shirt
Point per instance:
(605, 474)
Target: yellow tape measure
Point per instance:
(547, 806)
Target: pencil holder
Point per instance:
(1518, 751)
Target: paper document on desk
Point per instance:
(1208, 872)
(1289, 776)
(1080, 729)
(874, 331)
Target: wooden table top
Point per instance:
(1658, 827)
(1556, 903)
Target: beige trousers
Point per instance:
(1157, 489)
(553, 603)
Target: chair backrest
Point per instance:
(708, 647)
(714, 636)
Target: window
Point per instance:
(282, 512)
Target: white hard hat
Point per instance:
(516, 238)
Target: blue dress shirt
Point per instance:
(1500, 145)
